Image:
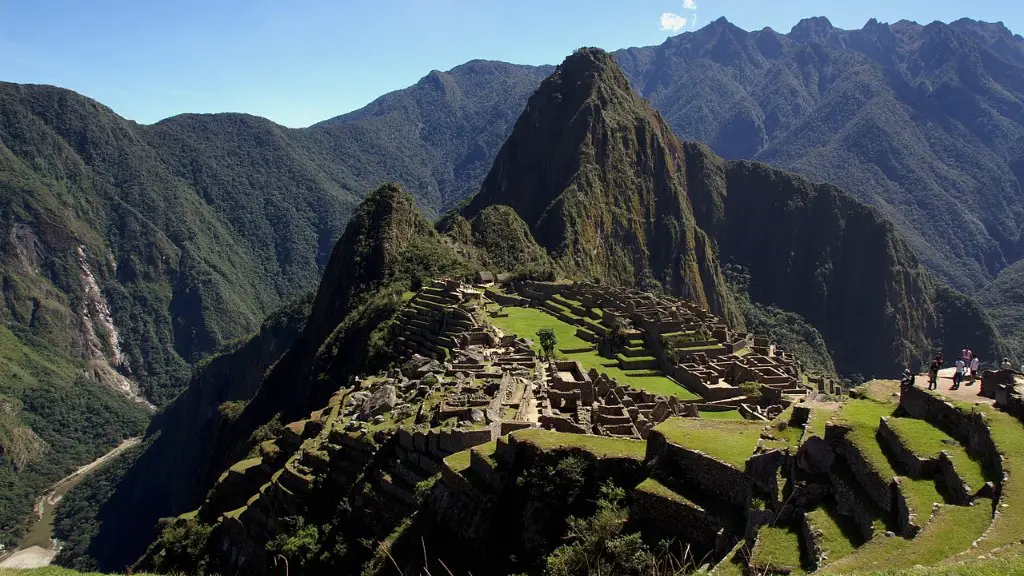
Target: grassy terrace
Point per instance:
(525, 322)
(820, 414)
(863, 417)
(652, 486)
(1008, 435)
(241, 467)
(723, 415)
(837, 536)
(731, 441)
(458, 462)
(951, 531)
(927, 441)
(599, 446)
(777, 548)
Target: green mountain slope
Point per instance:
(926, 123)
(596, 174)
(617, 196)
(173, 239)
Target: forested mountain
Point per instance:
(818, 252)
(926, 123)
(130, 252)
(615, 196)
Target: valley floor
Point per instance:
(38, 548)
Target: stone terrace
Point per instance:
(688, 343)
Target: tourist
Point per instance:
(907, 380)
(958, 373)
(975, 364)
(1006, 364)
(940, 357)
(933, 372)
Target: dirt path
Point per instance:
(964, 394)
(38, 548)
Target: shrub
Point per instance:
(752, 390)
(548, 341)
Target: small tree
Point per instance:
(548, 341)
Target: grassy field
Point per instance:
(731, 441)
(777, 548)
(837, 539)
(599, 446)
(525, 322)
(723, 415)
(927, 441)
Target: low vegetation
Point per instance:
(731, 441)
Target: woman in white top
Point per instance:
(974, 369)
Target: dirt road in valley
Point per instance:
(38, 549)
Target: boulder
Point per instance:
(381, 400)
(432, 367)
(476, 415)
(430, 379)
(412, 365)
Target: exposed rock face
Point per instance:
(599, 178)
(382, 400)
(607, 187)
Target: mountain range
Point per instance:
(616, 199)
(130, 252)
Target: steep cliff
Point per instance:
(292, 366)
(598, 177)
(608, 188)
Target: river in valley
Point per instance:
(38, 548)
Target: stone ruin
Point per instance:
(690, 344)
(578, 402)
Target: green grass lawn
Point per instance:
(927, 441)
(863, 416)
(1008, 435)
(459, 461)
(777, 547)
(732, 441)
(652, 486)
(525, 322)
(723, 415)
(951, 531)
(820, 414)
(837, 537)
(599, 446)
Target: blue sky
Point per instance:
(301, 61)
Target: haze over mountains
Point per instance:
(196, 228)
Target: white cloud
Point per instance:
(673, 22)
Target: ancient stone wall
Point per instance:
(968, 428)
(675, 465)
(677, 517)
(877, 487)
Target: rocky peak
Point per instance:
(383, 224)
(597, 175)
(817, 30)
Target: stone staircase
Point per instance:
(434, 322)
